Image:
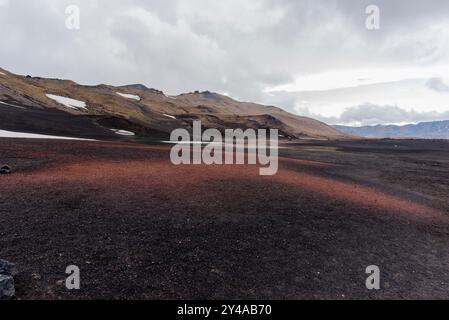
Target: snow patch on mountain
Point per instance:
(68, 102)
(123, 132)
(11, 105)
(13, 134)
(129, 96)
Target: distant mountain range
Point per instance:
(423, 130)
(63, 107)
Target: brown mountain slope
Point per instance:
(146, 110)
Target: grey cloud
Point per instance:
(437, 84)
(238, 47)
(370, 114)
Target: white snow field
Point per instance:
(169, 116)
(68, 102)
(129, 96)
(13, 134)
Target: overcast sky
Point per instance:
(310, 57)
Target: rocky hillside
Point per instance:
(54, 106)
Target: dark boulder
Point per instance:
(7, 290)
(7, 268)
(7, 271)
(5, 170)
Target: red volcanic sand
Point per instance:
(141, 227)
(161, 173)
(358, 194)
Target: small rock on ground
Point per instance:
(5, 170)
(7, 268)
(7, 290)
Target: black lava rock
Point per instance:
(5, 170)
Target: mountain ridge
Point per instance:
(422, 130)
(150, 109)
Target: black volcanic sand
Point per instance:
(140, 227)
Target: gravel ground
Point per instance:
(141, 228)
